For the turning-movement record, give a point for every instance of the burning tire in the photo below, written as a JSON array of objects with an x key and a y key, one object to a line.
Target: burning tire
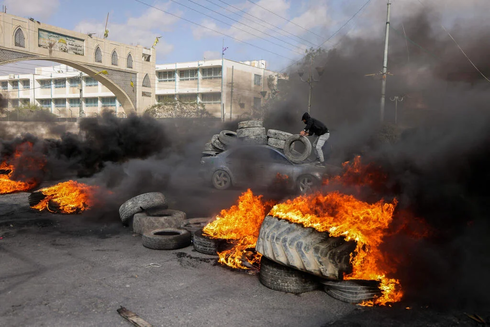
[
  {"x": 352, "y": 291},
  {"x": 280, "y": 135},
  {"x": 206, "y": 245},
  {"x": 279, "y": 144},
  {"x": 143, "y": 222},
  {"x": 166, "y": 239},
  {"x": 194, "y": 224},
  {"x": 35, "y": 198},
  {"x": 227, "y": 137},
  {"x": 293, "y": 155},
  {"x": 304, "y": 249},
  {"x": 281, "y": 278},
  {"x": 217, "y": 143},
  {"x": 221, "y": 180},
  {"x": 249, "y": 123},
  {"x": 143, "y": 202}
]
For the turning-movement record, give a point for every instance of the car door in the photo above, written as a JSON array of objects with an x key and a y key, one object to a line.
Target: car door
[
  {"x": 244, "y": 166},
  {"x": 276, "y": 170}
]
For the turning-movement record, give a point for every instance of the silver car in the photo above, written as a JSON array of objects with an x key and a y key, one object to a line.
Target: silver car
[{"x": 259, "y": 166}]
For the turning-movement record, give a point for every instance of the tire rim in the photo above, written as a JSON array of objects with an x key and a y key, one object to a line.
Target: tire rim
[
  {"x": 222, "y": 179},
  {"x": 306, "y": 184}
]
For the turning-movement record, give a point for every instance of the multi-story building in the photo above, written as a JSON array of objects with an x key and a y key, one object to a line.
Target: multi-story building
[{"x": 226, "y": 88}]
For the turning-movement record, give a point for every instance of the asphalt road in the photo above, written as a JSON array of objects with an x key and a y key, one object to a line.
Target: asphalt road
[{"x": 73, "y": 270}]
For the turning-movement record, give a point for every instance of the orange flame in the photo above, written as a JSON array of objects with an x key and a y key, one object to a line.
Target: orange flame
[
  {"x": 7, "y": 185},
  {"x": 67, "y": 197},
  {"x": 241, "y": 225},
  {"x": 344, "y": 216}
]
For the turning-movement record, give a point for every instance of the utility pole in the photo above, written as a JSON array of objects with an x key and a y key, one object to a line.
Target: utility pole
[
  {"x": 385, "y": 64},
  {"x": 231, "y": 95},
  {"x": 81, "y": 113}
]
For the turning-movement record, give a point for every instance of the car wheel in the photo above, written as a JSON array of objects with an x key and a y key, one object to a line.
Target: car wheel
[
  {"x": 306, "y": 184},
  {"x": 221, "y": 180}
]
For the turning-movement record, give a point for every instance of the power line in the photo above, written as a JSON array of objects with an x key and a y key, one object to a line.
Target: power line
[
  {"x": 238, "y": 23},
  {"x": 241, "y": 29},
  {"x": 284, "y": 18},
  {"x": 213, "y": 30},
  {"x": 261, "y": 20}
]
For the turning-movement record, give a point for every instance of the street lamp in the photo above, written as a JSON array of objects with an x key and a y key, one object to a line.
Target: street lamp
[{"x": 397, "y": 99}]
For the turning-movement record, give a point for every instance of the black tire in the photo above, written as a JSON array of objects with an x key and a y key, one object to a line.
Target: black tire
[
  {"x": 166, "y": 239},
  {"x": 227, "y": 137},
  {"x": 143, "y": 222},
  {"x": 295, "y": 156},
  {"x": 217, "y": 143},
  {"x": 304, "y": 249},
  {"x": 352, "y": 291},
  {"x": 194, "y": 224},
  {"x": 250, "y": 123},
  {"x": 208, "y": 147},
  {"x": 276, "y": 143},
  {"x": 281, "y": 278},
  {"x": 221, "y": 180},
  {"x": 140, "y": 203},
  {"x": 261, "y": 140},
  {"x": 307, "y": 184},
  {"x": 35, "y": 198},
  {"x": 206, "y": 245},
  {"x": 254, "y": 132},
  {"x": 280, "y": 135}
]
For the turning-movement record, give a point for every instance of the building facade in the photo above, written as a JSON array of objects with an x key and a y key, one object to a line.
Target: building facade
[{"x": 227, "y": 89}]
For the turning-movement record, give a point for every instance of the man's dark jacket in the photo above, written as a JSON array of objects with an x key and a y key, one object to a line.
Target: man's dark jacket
[{"x": 314, "y": 126}]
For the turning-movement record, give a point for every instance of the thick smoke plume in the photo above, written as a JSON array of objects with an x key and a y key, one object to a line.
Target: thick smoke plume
[{"x": 437, "y": 155}]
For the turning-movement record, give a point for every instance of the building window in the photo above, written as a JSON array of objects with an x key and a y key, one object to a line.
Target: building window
[
  {"x": 114, "y": 58},
  {"x": 91, "y": 102},
  {"x": 45, "y": 84},
  {"x": 15, "y": 85},
  {"x": 211, "y": 98},
  {"x": 146, "y": 81},
  {"x": 188, "y": 75},
  {"x": 166, "y": 76},
  {"x": 20, "y": 40},
  {"x": 60, "y": 103},
  {"x": 257, "y": 103},
  {"x": 74, "y": 102},
  {"x": 188, "y": 97},
  {"x": 26, "y": 84},
  {"x": 46, "y": 103},
  {"x": 5, "y": 85},
  {"x": 108, "y": 102},
  {"x": 74, "y": 82},
  {"x": 129, "y": 61},
  {"x": 89, "y": 81},
  {"x": 257, "y": 79},
  {"x": 98, "y": 55},
  {"x": 165, "y": 98},
  {"x": 214, "y": 72},
  {"x": 59, "y": 83}
]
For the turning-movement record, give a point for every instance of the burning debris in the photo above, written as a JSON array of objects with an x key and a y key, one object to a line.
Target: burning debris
[
  {"x": 11, "y": 180},
  {"x": 68, "y": 197}
]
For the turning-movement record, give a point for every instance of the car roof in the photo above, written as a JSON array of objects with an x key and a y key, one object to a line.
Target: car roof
[{"x": 251, "y": 146}]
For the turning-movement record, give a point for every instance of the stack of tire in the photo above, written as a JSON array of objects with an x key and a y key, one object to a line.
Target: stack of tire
[
  {"x": 296, "y": 259},
  {"x": 284, "y": 141},
  {"x": 219, "y": 143},
  {"x": 251, "y": 132},
  {"x": 161, "y": 228}
]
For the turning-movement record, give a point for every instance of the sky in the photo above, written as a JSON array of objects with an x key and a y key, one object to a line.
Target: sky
[{"x": 278, "y": 31}]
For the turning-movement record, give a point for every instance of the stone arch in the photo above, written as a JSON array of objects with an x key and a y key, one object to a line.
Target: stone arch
[
  {"x": 98, "y": 55},
  {"x": 19, "y": 38},
  {"x": 129, "y": 61},
  {"x": 128, "y": 104},
  {"x": 114, "y": 58},
  {"x": 146, "y": 81}
]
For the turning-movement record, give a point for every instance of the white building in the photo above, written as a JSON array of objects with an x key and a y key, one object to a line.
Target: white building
[{"x": 227, "y": 88}]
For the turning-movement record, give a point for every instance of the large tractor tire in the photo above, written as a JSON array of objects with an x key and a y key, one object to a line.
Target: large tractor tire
[{"x": 304, "y": 249}]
